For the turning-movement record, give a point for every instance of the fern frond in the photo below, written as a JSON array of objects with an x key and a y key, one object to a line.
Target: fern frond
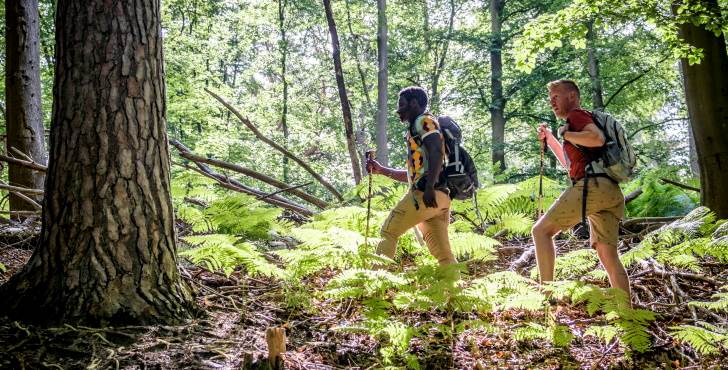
[
  {"x": 605, "y": 333},
  {"x": 721, "y": 305},
  {"x": 515, "y": 223},
  {"x": 706, "y": 339},
  {"x": 365, "y": 283},
  {"x": 473, "y": 246},
  {"x": 195, "y": 217},
  {"x": 531, "y": 331},
  {"x": 220, "y": 252}
]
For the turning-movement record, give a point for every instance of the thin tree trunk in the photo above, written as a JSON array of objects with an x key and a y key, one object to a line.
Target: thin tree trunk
[
  {"x": 692, "y": 153},
  {"x": 107, "y": 254},
  {"x": 382, "y": 83},
  {"x": 24, "y": 117},
  {"x": 706, "y": 92},
  {"x": 498, "y": 103},
  {"x": 345, "y": 106},
  {"x": 593, "y": 62},
  {"x": 282, "y": 4},
  {"x": 440, "y": 59}
]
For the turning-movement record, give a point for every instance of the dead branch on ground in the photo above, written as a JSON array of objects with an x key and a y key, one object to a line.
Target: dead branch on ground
[{"x": 275, "y": 145}]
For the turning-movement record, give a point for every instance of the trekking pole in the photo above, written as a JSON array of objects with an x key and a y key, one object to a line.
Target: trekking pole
[
  {"x": 369, "y": 155},
  {"x": 540, "y": 181}
]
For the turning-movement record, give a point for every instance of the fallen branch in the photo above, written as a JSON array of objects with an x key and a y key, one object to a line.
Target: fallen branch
[
  {"x": 20, "y": 162},
  {"x": 275, "y": 145},
  {"x": 524, "y": 259},
  {"x": 19, "y": 189},
  {"x": 186, "y": 153},
  {"x": 679, "y": 185},
  {"x": 30, "y": 201},
  {"x": 648, "y": 220},
  {"x": 282, "y": 190},
  {"x": 197, "y": 202},
  {"x": 632, "y": 196},
  {"x": 235, "y": 185}
]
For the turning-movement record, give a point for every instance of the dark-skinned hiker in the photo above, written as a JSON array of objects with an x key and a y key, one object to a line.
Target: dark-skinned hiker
[
  {"x": 583, "y": 141},
  {"x": 427, "y": 203}
]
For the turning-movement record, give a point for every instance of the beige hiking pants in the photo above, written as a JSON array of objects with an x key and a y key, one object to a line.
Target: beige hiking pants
[{"x": 432, "y": 222}]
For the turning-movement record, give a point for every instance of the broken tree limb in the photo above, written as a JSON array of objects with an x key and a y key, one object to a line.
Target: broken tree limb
[
  {"x": 524, "y": 259},
  {"x": 197, "y": 202},
  {"x": 21, "y": 162},
  {"x": 275, "y": 145},
  {"x": 235, "y": 185},
  {"x": 282, "y": 190},
  {"x": 21, "y": 154},
  {"x": 679, "y": 185},
  {"x": 26, "y": 198},
  {"x": 186, "y": 153},
  {"x": 20, "y": 189},
  {"x": 648, "y": 220},
  {"x": 633, "y": 195}
]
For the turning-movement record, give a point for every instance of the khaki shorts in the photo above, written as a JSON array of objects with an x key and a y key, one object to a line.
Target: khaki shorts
[{"x": 604, "y": 209}]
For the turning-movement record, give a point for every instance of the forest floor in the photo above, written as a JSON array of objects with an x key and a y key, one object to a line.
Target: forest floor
[{"x": 237, "y": 310}]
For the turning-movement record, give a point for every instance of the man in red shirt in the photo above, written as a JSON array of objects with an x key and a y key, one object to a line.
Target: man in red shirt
[{"x": 605, "y": 201}]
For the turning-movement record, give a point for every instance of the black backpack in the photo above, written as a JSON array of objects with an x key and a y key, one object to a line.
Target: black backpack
[{"x": 459, "y": 172}]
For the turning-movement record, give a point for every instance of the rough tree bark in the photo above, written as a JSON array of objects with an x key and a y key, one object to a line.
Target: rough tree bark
[
  {"x": 107, "y": 253},
  {"x": 345, "y": 105},
  {"x": 706, "y": 92},
  {"x": 382, "y": 82},
  {"x": 498, "y": 103},
  {"x": 22, "y": 95}
]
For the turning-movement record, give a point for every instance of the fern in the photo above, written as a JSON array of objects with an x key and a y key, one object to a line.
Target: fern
[
  {"x": 191, "y": 184},
  {"x": 501, "y": 291},
  {"x": 473, "y": 246},
  {"x": 362, "y": 283},
  {"x": 515, "y": 223},
  {"x": 679, "y": 243},
  {"x": 573, "y": 265},
  {"x": 721, "y": 305},
  {"x": 659, "y": 199},
  {"x": 707, "y": 339},
  {"x": 219, "y": 252},
  {"x": 605, "y": 333},
  {"x": 614, "y": 303},
  {"x": 385, "y": 193}
]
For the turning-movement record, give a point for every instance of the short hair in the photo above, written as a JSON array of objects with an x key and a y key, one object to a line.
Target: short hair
[
  {"x": 415, "y": 92},
  {"x": 568, "y": 84}
]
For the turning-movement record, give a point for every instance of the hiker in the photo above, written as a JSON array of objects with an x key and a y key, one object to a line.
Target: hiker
[
  {"x": 427, "y": 203},
  {"x": 604, "y": 201}
]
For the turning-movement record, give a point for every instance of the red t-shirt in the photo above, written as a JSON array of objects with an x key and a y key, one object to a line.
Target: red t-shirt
[{"x": 577, "y": 119}]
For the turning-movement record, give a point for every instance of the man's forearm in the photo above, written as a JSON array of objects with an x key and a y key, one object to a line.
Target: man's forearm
[
  {"x": 584, "y": 138},
  {"x": 557, "y": 149},
  {"x": 395, "y": 174},
  {"x": 434, "y": 156}
]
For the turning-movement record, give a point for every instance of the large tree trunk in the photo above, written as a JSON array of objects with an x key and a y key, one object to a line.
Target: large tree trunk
[
  {"x": 498, "y": 103},
  {"x": 382, "y": 82},
  {"x": 282, "y": 4},
  {"x": 107, "y": 254},
  {"x": 706, "y": 92},
  {"x": 593, "y": 66},
  {"x": 22, "y": 95},
  {"x": 345, "y": 106}
]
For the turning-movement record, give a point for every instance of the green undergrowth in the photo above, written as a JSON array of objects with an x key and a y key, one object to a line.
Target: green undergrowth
[{"x": 396, "y": 297}]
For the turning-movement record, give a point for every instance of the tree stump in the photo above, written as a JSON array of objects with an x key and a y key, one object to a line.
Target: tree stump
[{"x": 276, "y": 338}]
